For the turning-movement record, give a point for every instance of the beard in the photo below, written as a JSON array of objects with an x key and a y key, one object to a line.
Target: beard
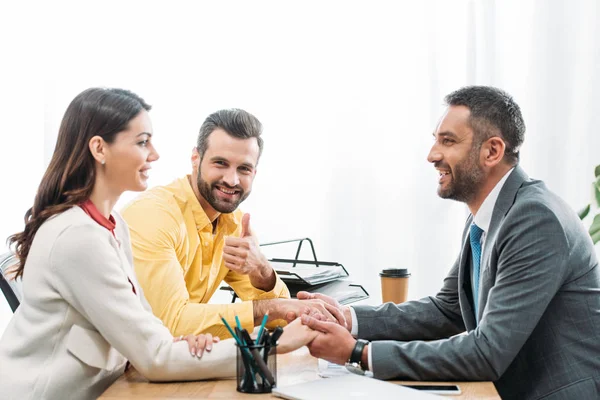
[
  {"x": 466, "y": 179},
  {"x": 225, "y": 206}
]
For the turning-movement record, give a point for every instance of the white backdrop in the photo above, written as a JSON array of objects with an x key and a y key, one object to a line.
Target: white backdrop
[{"x": 348, "y": 92}]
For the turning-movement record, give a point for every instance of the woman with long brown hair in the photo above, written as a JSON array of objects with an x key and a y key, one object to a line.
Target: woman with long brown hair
[{"x": 83, "y": 314}]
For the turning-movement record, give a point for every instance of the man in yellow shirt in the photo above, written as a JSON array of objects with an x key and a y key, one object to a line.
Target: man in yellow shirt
[{"x": 188, "y": 237}]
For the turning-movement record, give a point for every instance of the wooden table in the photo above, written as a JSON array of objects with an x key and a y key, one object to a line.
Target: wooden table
[{"x": 292, "y": 368}]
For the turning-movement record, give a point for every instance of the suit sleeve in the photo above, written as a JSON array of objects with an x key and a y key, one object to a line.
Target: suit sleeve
[
  {"x": 154, "y": 242},
  {"x": 426, "y": 319},
  {"x": 532, "y": 252},
  {"x": 87, "y": 273}
]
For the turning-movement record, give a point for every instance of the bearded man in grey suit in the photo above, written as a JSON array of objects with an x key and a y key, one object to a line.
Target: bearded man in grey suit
[{"x": 524, "y": 291}]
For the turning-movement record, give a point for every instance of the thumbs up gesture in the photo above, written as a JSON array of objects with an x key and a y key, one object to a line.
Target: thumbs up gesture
[
  {"x": 246, "y": 226},
  {"x": 243, "y": 256}
]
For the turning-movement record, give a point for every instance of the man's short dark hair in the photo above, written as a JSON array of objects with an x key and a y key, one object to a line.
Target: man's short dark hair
[
  {"x": 493, "y": 113},
  {"x": 236, "y": 122}
]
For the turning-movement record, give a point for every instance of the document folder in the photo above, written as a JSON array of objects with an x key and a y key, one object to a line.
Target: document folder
[
  {"x": 308, "y": 274},
  {"x": 345, "y": 292}
]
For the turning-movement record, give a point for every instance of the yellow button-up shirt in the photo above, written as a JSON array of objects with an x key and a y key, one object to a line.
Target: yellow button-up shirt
[{"x": 178, "y": 261}]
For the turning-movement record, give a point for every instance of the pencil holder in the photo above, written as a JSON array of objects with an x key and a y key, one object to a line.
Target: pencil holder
[{"x": 256, "y": 368}]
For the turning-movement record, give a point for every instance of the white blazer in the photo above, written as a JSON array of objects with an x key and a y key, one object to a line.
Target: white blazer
[{"x": 79, "y": 320}]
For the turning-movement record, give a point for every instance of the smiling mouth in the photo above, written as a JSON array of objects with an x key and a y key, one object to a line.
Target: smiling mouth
[
  {"x": 443, "y": 174},
  {"x": 145, "y": 173},
  {"x": 228, "y": 192}
]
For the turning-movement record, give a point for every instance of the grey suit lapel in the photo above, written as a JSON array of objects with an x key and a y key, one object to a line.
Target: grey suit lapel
[{"x": 506, "y": 199}]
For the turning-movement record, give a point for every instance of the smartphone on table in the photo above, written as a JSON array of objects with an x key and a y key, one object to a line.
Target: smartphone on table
[{"x": 437, "y": 389}]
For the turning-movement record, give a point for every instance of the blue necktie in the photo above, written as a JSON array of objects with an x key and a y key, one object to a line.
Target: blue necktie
[{"x": 476, "y": 252}]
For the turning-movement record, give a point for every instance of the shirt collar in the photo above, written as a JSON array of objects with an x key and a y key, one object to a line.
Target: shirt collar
[
  {"x": 483, "y": 218},
  {"x": 90, "y": 209},
  {"x": 229, "y": 220}
]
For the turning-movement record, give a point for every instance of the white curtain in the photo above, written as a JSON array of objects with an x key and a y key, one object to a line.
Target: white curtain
[{"x": 349, "y": 94}]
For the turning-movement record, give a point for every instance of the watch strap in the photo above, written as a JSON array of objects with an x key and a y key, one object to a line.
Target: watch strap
[{"x": 356, "y": 355}]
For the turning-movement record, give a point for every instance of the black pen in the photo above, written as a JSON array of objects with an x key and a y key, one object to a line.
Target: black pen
[
  {"x": 266, "y": 340},
  {"x": 276, "y": 334}
]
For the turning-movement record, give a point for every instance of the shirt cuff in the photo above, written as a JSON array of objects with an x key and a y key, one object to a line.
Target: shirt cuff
[
  {"x": 354, "y": 330},
  {"x": 279, "y": 291},
  {"x": 370, "y": 356}
]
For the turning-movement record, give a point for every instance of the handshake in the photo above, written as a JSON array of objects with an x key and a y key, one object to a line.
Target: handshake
[
  {"x": 321, "y": 324},
  {"x": 315, "y": 320}
]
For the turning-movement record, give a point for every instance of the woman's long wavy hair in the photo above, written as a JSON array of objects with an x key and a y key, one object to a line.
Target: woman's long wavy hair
[{"x": 71, "y": 174}]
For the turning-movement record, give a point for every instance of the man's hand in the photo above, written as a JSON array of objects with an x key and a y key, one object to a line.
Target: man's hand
[
  {"x": 243, "y": 256},
  {"x": 333, "y": 343},
  {"x": 198, "y": 344},
  {"x": 331, "y": 301},
  {"x": 290, "y": 309},
  {"x": 316, "y": 308}
]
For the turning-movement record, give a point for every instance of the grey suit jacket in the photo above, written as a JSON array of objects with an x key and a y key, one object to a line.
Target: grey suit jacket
[{"x": 538, "y": 329}]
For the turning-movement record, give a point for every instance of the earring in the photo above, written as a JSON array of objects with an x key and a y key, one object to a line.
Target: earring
[{"x": 103, "y": 162}]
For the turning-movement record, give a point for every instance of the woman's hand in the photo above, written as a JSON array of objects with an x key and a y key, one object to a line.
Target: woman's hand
[
  {"x": 295, "y": 335},
  {"x": 198, "y": 343}
]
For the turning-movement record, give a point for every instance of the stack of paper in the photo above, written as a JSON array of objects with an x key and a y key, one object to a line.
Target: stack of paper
[
  {"x": 311, "y": 275},
  {"x": 343, "y": 291}
]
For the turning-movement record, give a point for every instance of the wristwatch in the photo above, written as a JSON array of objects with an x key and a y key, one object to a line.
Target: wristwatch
[{"x": 354, "y": 364}]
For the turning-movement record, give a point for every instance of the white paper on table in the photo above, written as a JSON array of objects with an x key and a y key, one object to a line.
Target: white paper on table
[{"x": 328, "y": 369}]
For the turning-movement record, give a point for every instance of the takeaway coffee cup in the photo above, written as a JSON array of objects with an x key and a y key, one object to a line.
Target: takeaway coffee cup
[{"x": 394, "y": 285}]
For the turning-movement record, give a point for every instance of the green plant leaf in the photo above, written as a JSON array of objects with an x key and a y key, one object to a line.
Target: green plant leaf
[
  {"x": 584, "y": 212},
  {"x": 597, "y": 194},
  {"x": 597, "y": 171},
  {"x": 595, "y": 229},
  {"x": 596, "y": 237}
]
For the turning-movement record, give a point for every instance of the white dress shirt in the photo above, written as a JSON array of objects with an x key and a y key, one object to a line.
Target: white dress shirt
[{"x": 483, "y": 218}]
